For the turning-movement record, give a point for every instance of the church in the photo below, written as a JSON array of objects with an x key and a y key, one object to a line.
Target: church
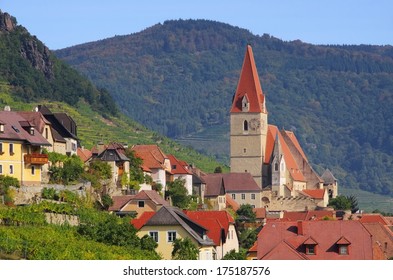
[{"x": 272, "y": 156}]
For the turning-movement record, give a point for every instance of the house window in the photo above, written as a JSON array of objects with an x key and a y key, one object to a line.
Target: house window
[
  {"x": 243, "y": 196},
  {"x": 343, "y": 249},
  {"x": 310, "y": 249},
  {"x": 1, "y": 169},
  {"x": 46, "y": 133},
  {"x": 32, "y": 170},
  {"x": 253, "y": 196},
  {"x": 171, "y": 236},
  {"x": 154, "y": 235},
  {"x": 1, "y": 148},
  {"x": 233, "y": 196},
  {"x": 244, "y": 150},
  {"x": 141, "y": 204},
  {"x": 11, "y": 169},
  {"x": 245, "y": 125},
  {"x": 11, "y": 149}
]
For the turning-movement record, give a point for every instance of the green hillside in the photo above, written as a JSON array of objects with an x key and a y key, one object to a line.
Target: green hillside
[
  {"x": 179, "y": 77},
  {"x": 31, "y": 75}
]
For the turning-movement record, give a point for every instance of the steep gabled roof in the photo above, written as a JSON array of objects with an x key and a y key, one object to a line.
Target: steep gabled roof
[
  {"x": 84, "y": 154},
  {"x": 250, "y": 86},
  {"x": 328, "y": 177},
  {"x": 168, "y": 215},
  {"x": 152, "y": 156},
  {"x": 142, "y": 220},
  {"x": 216, "y": 222},
  {"x": 273, "y": 134},
  {"x": 178, "y": 166}
]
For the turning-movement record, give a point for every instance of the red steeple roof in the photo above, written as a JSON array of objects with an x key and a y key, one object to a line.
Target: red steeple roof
[{"x": 250, "y": 86}]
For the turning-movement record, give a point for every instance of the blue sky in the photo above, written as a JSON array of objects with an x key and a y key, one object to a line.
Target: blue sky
[{"x": 66, "y": 23}]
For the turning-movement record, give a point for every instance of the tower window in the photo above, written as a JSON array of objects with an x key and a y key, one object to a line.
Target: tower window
[
  {"x": 245, "y": 126},
  {"x": 276, "y": 166}
]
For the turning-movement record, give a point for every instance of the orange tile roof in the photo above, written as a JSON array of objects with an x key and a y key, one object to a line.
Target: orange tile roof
[
  {"x": 317, "y": 194},
  {"x": 231, "y": 203},
  {"x": 249, "y": 86},
  {"x": 152, "y": 156},
  {"x": 178, "y": 166},
  {"x": 290, "y": 162},
  {"x": 84, "y": 154},
  {"x": 260, "y": 212},
  {"x": 295, "y": 142},
  {"x": 307, "y": 215},
  {"x": 373, "y": 218}
]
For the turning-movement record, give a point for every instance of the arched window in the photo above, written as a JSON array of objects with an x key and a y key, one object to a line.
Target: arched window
[
  {"x": 276, "y": 166},
  {"x": 245, "y": 126}
]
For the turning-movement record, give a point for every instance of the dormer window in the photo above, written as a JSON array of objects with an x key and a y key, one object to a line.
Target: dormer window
[
  {"x": 31, "y": 130},
  {"x": 1, "y": 128},
  {"x": 245, "y": 104},
  {"x": 343, "y": 246},
  {"x": 311, "y": 246}
]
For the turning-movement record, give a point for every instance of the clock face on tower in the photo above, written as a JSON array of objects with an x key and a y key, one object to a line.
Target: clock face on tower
[{"x": 255, "y": 124}]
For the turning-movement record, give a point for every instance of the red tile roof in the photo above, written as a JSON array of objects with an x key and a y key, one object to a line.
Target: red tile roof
[
  {"x": 178, "y": 166},
  {"x": 249, "y": 86},
  {"x": 142, "y": 220},
  {"x": 260, "y": 212},
  {"x": 326, "y": 234},
  {"x": 216, "y": 222},
  {"x": 373, "y": 218},
  {"x": 307, "y": 215}
]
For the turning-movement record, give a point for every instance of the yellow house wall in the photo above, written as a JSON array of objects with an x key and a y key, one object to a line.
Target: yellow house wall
[
  {"x": 164, "y": 247},
  {"x": 21, "y": 171}
]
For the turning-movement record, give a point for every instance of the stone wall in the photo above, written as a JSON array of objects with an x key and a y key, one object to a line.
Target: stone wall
[{"x": 28, "y": 195}]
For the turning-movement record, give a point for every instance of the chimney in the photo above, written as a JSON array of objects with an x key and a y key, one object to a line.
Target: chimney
[{"x": 300, "y": 227}]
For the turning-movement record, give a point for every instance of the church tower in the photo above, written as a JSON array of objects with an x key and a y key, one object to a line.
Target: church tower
[{"x": 248, "y": 122}]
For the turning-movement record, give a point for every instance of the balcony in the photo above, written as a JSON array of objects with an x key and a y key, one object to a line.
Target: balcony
[{"x": 36, "y": 159}]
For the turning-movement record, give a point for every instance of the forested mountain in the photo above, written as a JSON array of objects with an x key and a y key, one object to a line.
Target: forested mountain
[
  {"x": 178, "y": 78},
  {"x": 30, "y": 74}
]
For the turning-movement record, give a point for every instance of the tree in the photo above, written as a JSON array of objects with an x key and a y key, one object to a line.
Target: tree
[
  {"x": 247, "y": 238},
  {"x": 178, "y": 193},
  {"x": 246, "y": 211},
  {"x": 342, "y": 202},
  {"x": 233, "y": 255},
  {"x": 218, "y": 169},
  {"x": 184, "y": 249},
  {"x": 148, "y": 243}
]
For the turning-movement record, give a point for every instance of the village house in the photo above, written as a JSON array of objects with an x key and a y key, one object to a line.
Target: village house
[
  {"x": 63, "y": 130},
  {"x": 239, "y": 186},
  {"x": 156, "y": 162},
  {"x": 221, "y": 229},
  {"x": 21, "y": 148},
  {"x": 181, "y": 170},
  {"x": 144, "y": 201},
  {"x": 170, "y": 223}
]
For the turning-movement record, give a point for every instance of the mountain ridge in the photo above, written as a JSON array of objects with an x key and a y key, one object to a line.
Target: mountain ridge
[{"x": 178, "y": 78}]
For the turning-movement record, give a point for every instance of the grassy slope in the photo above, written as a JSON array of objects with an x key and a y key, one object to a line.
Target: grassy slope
[{"x": 93, "y": 128}]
